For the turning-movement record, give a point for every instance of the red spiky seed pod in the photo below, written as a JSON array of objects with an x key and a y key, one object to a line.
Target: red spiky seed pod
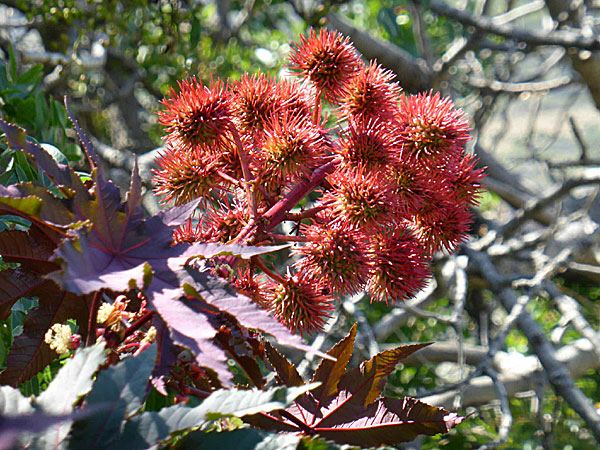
[
  {"x": 327, "y": 59},
  {"x": 414, "y": 185},
  {"x": 400, "y": 266},
  {"x": 295, "y": 98},
  {"x": 184, "y": 176},
  {"x": 299, "y": 303},
  {"x": 464, "y": 179},
  {"x": 254, "y": 103},
  {"x": 198, "y": 116},
  {"x": 370, "y": 95},
  {"x": 336, "y": 256},
  {"x": 433, "y": 131},
  {"x": 370, "y": 144},
  {"x": 361, "y": 198},
  {"x": 443, "y": 228},
  {"x": 222, "y": 224},
  {"x": 292, "y": 148},
  {"x": 247, "y": 284},
  {"x": 187, "y": 233}
]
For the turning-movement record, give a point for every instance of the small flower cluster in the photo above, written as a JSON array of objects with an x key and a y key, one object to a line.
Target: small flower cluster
[
  {"x": 121, "y": 329},
  {"x": 386, "y": 187},
  {"x": 61, "y": 339}
]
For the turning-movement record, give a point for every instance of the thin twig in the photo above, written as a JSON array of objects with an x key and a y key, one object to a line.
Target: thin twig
[
  {"x": 506, "y": 419},
  {"x": 569, "y": 308},
  {"x": 538, "y": 204}
]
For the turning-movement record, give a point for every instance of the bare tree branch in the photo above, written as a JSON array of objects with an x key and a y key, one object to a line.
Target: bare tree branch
[
  {"x": 539, "y": 204},
  {"x": 518, "y": 373},
  {"x": 532, "y": 37}
]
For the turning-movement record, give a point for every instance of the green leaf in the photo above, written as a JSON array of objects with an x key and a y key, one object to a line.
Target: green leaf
[
  {"x": 33, "y": 76},
  {"x": 56, "y": 154},
  {"x": 387, "y": 19},
  {"x": 195, "y": 32},
  {"x": 151, "y": 427},
  {"x": 21, "y": 162},
  {"x": 3, "y": 77},
  {"x": 12, "y": 64},
  {"x": 120, "y": 390},
  {"x": 242, "y": 439},
  {"x": 72, "y": 382}
]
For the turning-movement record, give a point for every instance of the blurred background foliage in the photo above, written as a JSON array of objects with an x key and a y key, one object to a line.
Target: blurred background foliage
[{"x": 116, "y": 60}]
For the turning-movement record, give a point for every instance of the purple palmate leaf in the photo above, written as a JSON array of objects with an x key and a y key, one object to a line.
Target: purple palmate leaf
[
  {"x": 99, "y": 243},
  {"x": 166, "y": 356},
  {"x": 190, "y": 329}
]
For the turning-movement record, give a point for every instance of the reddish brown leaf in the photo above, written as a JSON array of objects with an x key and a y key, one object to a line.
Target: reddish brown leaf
[
  {"x": 31, "y": 249},
  {"x": 60, "y": 174},
  {"x": 166, "y": 356},
  {"x": 352, "y": 413},
  {"x": 367, "y": 381},
  {"x": 330, "y": 372},
  {"x": 15, "y": 284},
  {"x": 387, "y": 421},
  {"x": 287, "y": 373},
  {"x": 29, "y": 353}
]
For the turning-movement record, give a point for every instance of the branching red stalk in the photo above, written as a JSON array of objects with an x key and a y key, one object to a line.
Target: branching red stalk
[
  {"x": 278, "y": 212},
  {"x": 305, "y": 428}
]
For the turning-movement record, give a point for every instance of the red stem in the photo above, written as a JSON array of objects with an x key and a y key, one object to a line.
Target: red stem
[
  {"x": 277, "y": 213},
  {"x": 297, "y": 422},
  {"x": 270, "y": 199},
  {"x": 296, "y": 217},
  {"x": 91, "y": 336},
  {"x": 273, "y": 275},
  {"x": 245, "y": 171},
  {"x": 285, "y": 238},
  {"x": 228, "y": 178},
  {"x": 317, "y": 108},
  {"x": 137, "y": 324},
  {"x": 196, "y": 392}
]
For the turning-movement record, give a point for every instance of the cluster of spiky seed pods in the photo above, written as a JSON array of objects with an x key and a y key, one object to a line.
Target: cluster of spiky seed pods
[{"x": 382, "y": 178}]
